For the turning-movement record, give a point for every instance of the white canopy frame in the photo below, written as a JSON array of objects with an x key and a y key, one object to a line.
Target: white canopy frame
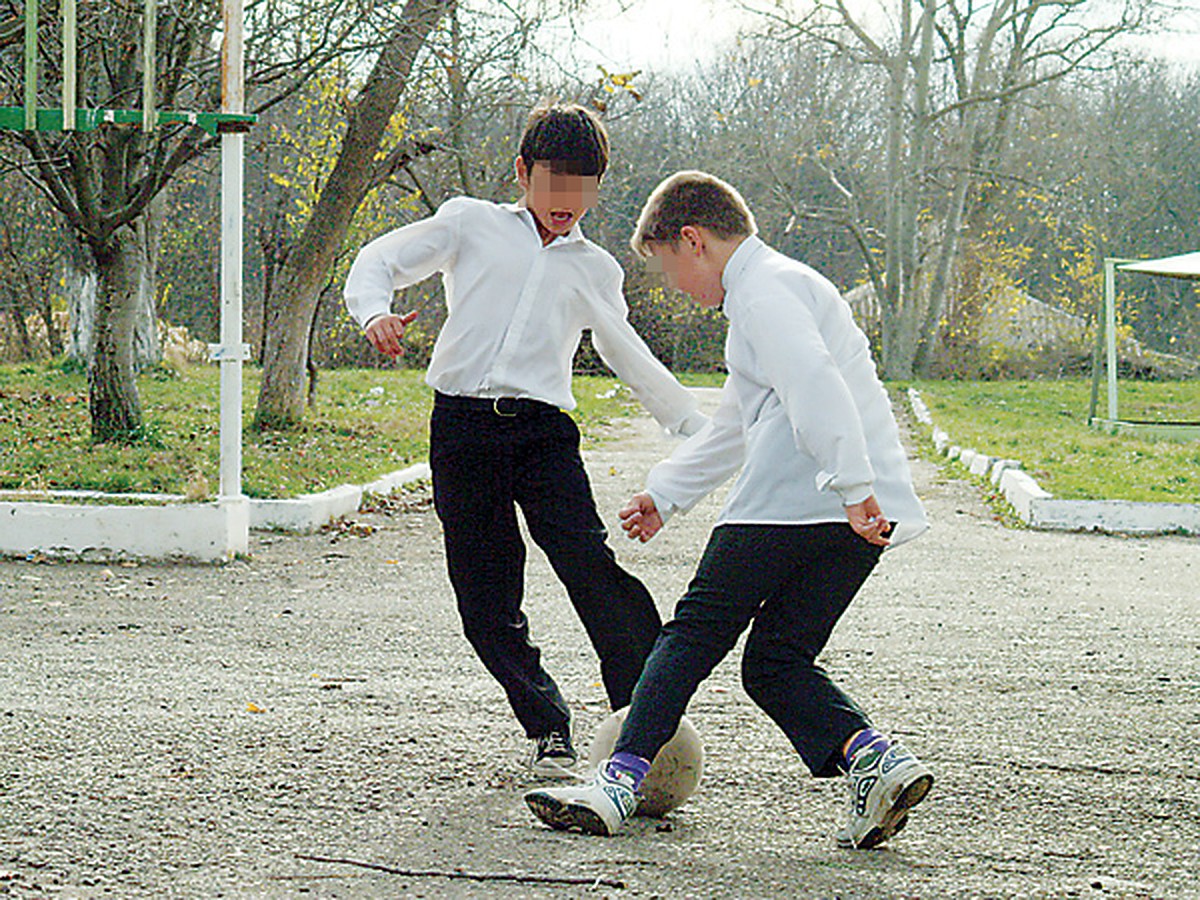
[{"x": 1185, "y": 266}]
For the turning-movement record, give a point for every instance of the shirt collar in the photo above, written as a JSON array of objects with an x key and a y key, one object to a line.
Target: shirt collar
[
  {"x": 575, "y": 234},
  {"x": 736, "y": 265}
]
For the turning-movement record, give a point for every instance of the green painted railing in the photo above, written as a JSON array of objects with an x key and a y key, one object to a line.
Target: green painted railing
[{"x": 15, "y": 118}]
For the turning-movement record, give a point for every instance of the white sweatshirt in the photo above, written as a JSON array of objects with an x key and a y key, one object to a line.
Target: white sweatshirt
[{"x": 802, "y": 413}]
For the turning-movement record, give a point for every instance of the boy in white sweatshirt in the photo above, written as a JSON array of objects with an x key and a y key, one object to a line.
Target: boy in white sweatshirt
[{"x": 824, "y": 488}]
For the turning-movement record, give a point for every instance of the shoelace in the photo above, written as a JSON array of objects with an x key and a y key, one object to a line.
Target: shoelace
[{"x": 554, "y": 744}]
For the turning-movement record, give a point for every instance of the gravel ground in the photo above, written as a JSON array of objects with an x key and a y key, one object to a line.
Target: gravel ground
[{"x": 191, "y": 731}]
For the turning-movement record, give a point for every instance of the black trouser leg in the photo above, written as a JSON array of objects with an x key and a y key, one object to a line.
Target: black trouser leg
[
  {"x": 779, "y": 667},
  {"x": 472, "y": 458},
  {"x": 798, "y": 580},
  {"x": 615, "y": 608}
]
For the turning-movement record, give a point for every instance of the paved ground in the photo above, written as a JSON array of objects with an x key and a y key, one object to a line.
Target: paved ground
[{"x": 179, "y": 731}]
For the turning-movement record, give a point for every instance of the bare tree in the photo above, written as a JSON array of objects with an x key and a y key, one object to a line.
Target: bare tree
[
  {"x": 952, "y": 76},
  {"x": 103, "y": 181},
  {"x": 293, "y": 303},
  {"x": 465, "y": 100}
]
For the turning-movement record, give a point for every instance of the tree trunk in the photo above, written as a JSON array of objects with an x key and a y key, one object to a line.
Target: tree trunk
[
  {"x": 899, "y": 257},
  {"x": 891, "y": 301},
  {"x": 22, "y": 329},
  {"x": 147, "y": 348},
  {"x": 112, "y": 389},
  {"x": 939, "y": 287},
  {"x": 83, "y": 287},
  {"x": 80, "y": 283},
  {"x": 54, "y": 338},
  {"x": 289, "y": 313}
]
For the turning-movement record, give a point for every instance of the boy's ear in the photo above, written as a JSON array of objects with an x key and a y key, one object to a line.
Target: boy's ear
[
  {"x": 693, "y": 238},
  {"x": 522, "y": 172}
]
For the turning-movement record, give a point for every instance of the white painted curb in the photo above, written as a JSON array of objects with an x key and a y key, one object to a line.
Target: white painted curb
[
  {"x": 205, "y": 532},
  {"x": 208, "y": 532},
  {"x": 311, "y": 512},
  {"x": 1116, "y": 516},
  {"x": 1040, "y": 509},
  {"x": 304, "y": 514}
]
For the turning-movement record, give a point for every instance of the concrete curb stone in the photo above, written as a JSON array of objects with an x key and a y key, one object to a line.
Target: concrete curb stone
[{"x": 1040, "y": 509}]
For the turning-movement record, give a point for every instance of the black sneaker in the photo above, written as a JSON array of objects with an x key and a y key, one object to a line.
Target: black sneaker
[{"x": 553, "y": 756}]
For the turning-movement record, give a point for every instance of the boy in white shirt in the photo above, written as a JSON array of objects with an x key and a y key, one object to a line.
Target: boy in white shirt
[
  {"x": 824, "y": 487},
  {"x": 522, "y": 283}
]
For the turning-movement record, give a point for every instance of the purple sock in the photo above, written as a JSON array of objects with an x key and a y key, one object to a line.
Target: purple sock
[
  {"x": 623, "y": 763},
  {"x": 865, "y": 738}
]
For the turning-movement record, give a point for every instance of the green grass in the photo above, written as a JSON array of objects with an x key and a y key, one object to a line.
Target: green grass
[
  {"x": 1044, "y": 425},
  {"x": 369, "y": 422},
  {"x": 365, "y": 423},
  {"x": 702, "y": 379}
]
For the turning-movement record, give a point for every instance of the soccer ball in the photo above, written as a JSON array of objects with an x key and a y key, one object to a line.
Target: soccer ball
[{"x": 674, "y": 773}]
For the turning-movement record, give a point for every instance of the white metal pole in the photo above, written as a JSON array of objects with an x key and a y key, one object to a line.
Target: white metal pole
[
  {"x": 70, "y": 54},
  {"x": 232, "y": 101},
  {"x": 1110, "y": 334},
  {"x": 149, "y": 63},
  {"x": 31, "y": 67}
]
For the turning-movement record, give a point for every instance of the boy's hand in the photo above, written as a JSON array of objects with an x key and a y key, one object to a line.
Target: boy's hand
[
  {"x": 868, "y": 521},
  {"x": 640, "y": 518},
  {"x": 385, "y": 333}
]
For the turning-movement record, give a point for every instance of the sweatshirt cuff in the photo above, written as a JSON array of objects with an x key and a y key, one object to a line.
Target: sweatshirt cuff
[
  {"x": 855, "y": 493},
  {"x": 692, "y": 422}
]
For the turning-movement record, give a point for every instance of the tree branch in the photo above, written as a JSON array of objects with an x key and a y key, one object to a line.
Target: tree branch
[{"x": 466, "y": 876}]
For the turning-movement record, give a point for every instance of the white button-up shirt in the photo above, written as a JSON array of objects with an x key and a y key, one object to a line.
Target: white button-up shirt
[
  {"x": 516, "y": 309},
  {"x": 802, "y": 413}
]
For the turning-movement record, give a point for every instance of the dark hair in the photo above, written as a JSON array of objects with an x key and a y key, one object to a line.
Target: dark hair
[
  {"x": 568, "y": 138},
  {"x": 691, "y": 198}
]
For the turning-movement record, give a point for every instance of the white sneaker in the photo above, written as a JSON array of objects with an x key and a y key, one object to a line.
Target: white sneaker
[
  {"x": 553, "y": 756},
  {"x": 600, "y": 806},
  {"x": 884, "y": 786}
]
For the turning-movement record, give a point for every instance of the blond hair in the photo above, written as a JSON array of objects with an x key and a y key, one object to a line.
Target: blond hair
[{"x": 691, "y": 198}]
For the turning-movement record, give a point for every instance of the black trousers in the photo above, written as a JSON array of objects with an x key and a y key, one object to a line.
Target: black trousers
[
  {"x": 488, "y": 458},
  {"x": 793, "y": 582}
]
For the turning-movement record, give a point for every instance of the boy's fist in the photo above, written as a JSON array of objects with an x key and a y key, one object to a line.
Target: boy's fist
[
  {"x": 385, "y": 332},
  {"x": 641, "y": 518},
  {"x": 869, "y": 522}
]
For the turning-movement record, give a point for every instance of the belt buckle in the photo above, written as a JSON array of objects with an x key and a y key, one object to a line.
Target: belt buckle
[{"x": 496, "y": 408}]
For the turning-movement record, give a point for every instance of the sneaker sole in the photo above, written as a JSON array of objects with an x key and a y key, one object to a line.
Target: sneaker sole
[
  {"x": 566, "y": 816},
  {"x": 895, "y": 818}
]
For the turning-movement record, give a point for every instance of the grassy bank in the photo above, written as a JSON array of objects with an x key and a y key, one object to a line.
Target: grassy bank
[
  {"x": 365, "y": 423},
  {"x": 1044, "y": 424}
]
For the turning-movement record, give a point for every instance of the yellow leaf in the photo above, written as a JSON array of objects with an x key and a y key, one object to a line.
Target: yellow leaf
[{"x": 254, "y": 708}]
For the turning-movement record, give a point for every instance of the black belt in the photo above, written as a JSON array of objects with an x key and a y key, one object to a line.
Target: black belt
[{"x": 506, "y": 407}]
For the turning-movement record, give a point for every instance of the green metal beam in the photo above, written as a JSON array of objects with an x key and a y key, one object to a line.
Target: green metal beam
[{"x": 14, "y": 118}]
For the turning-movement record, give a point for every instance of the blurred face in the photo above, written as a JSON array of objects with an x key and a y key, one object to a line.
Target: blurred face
[
  {"x": 556, "y": 201},
  {"x": 686, "y": 267}
]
